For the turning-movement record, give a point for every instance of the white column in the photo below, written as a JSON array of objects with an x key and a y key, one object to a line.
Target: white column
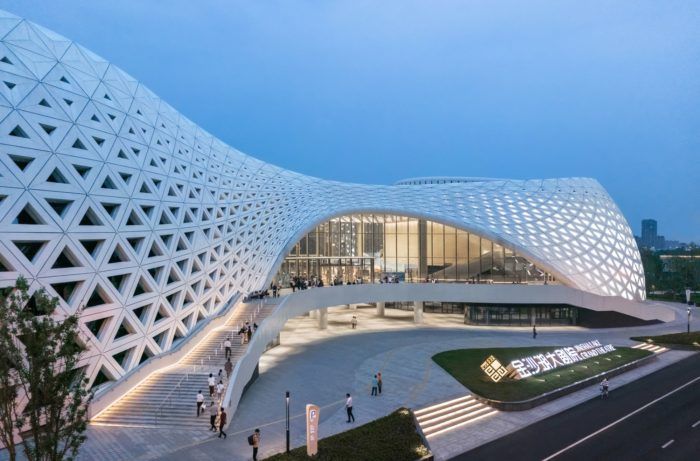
[
  {"x": 417, "y": 311},
  {"x": 323, "y": 318},
  {"x": 380, "y": 309}
]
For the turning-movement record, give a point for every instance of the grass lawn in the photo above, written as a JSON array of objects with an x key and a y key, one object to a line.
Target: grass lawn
[
  {"x": 391, "y": 438},
  {"x": 682, "y": 339},
  {"x": 464, "y": 366}
]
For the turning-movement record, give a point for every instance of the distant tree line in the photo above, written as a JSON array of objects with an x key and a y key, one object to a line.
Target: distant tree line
[{"x": 673, "y": 274}]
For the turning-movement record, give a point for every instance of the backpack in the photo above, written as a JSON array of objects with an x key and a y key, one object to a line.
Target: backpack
[{"x": 251, "y": 441}]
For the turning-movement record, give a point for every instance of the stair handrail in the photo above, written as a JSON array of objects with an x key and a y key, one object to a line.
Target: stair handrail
[{"x": 105, "y": 391}]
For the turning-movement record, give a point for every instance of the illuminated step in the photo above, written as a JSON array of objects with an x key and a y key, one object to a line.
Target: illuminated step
[
  {"x": 441, "y": 405},
  {"x": 445, "y": 410},
  {"x": 156, "y": 402},
  {"x": 650, "y": 347},
  {"x": 464, "y": 422},
  {"x": 433, "y": 430},
  {"x": 447, "y": 415}
]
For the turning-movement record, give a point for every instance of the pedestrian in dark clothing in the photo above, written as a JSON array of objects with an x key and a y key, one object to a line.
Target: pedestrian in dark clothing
[
  {"x": 213, "y": 413},
  {"x": 222, "y": 423},
  {"x": 348, "y": 408},
  {"x": 379, "y": 382},
  {"x": 534, "y": 332},
  {"x": 256, "y": 444},
  {"x": 229, "y": 368}
]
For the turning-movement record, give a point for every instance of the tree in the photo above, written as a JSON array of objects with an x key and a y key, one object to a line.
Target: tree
[
  {"x": 44, "y": 353},
  {"x": 10, "y": 414}
]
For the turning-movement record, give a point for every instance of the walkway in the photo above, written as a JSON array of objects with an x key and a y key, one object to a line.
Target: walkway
[{"x": 319, "y": 366}]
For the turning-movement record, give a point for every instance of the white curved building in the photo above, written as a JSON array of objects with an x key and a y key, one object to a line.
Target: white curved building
[{"x": 122, "y": 207}]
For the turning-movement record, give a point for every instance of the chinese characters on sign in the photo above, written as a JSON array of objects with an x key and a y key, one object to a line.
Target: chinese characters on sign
[
  {"x": 544, "y": 362},
  {"x": 494, "y": 369},
  {"x": 548, "y": 361}
]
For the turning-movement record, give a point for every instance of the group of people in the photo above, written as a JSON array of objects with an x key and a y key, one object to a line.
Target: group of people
[
  {"x": 377, "y": 384},
  {"x": 246, "y": 332},
  {"x": 376, "y": 390},
  {"x": 219, "y": 412},
  {"x": 303, "y": 283},
  {"x": 259, "y": 294},
  {"x": 214, "y": 412}
]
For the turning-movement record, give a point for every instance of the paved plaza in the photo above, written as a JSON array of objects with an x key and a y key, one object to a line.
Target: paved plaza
[{"x": 320, "y": 366}]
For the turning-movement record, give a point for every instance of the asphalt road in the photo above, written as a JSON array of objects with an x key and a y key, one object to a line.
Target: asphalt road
[{"x": 660, "y": 431}]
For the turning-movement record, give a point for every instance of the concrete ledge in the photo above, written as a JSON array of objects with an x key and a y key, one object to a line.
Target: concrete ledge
[
  {"x": 429, "y": 456},
  {"x": 555, "y": 394}
]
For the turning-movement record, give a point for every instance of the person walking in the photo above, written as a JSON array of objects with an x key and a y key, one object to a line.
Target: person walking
[
  {"x": 227, "y": 348},
  {"x": 604, "y": 388},
  {"x": 212, "y": 384},
  {"x": 229, "y": 368},
  {"x": 375, "y": 385},
  {"x": 353, "y": 322},
  {"x": 200, "y": 402},
  {"x": 348, "y": 408},
  {"x": 213, "y": 413},
  {"x": 249, "y": 333},
  {"x": 379, "y": 382},
  {"x": 534, "y": 332},
  {"x": 256, "y": 444},
  {"x": 222, "y": 422},
  {"x": 219, "y": 390}
]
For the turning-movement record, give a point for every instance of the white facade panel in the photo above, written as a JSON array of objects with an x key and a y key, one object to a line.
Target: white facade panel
[{"x": 122, "y": 207}]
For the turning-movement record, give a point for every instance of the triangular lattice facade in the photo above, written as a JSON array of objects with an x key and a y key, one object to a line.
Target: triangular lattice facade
[{"x": 120, "y": 206}]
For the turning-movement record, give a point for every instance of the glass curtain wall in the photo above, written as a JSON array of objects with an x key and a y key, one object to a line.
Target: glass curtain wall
[{"x": 368, "y": 248}]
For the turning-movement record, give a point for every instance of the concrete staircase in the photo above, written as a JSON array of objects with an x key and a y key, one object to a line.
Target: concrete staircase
[
  {"x": 446, "y": 416},
  {"x": 168, "y": 398}
]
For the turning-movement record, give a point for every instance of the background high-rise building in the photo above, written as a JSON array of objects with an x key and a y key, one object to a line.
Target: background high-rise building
[{"x": 649, "y": 233}]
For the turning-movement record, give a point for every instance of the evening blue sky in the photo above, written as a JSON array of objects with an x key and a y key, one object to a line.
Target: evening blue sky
[{"x": 374, "y": 92}]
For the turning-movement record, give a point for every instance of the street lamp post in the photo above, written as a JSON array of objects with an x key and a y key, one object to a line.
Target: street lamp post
[
  {"x": 287, "y": 400},
  {"x": 687, "y": 299}
]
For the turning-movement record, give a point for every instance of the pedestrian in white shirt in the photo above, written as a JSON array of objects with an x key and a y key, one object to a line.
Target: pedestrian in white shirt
[
  {"x": 227, "y": 348},
  {"x": 219, "y": 390},
  {"x": 212, "y": 384},
  {"x": 348, "y": 408},
  {"x": 200, "y": 401}
]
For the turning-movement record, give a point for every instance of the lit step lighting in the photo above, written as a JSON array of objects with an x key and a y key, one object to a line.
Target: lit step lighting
[
  {"x": 651, "y": 348},
  {"x": 446, "y": 416}
]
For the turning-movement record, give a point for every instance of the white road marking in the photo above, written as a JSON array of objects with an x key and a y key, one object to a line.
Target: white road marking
[
  {"x": 667, "y": 443},
  {"x": 567, "y": 448},
  {"x": 697, "y": 423}
]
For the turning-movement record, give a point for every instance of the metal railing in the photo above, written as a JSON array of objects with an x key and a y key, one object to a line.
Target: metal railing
[
  {"x": 176, "y": 392},
  {"x": 108, "y": 394}
]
